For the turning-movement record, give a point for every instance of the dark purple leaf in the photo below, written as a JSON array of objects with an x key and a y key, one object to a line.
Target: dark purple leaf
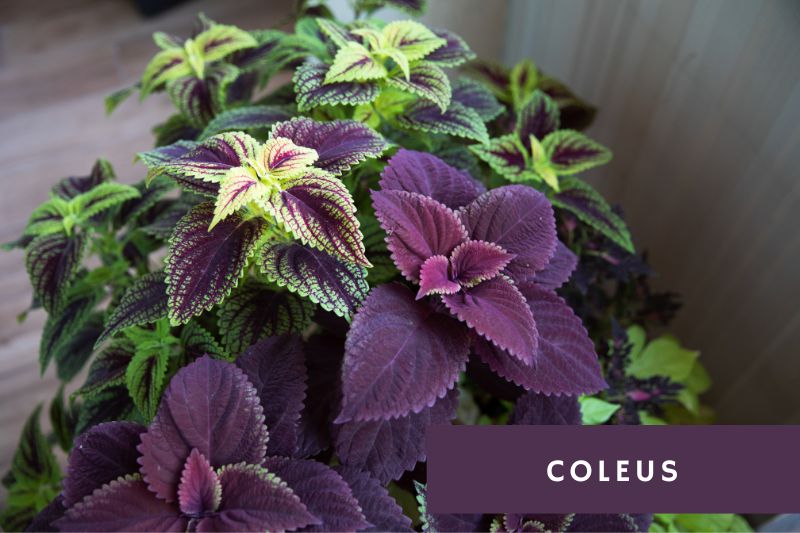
[
  {"x": 413, "y": 7},
  {"x": 400, "y": 356},
  {"x": 248, "y": 118},
  {"x": 336, "y": 286},
  {"x": 533, "y": 408},
  {"x": 145, "y": 301},
  {"x": 477, "y": 261},
  {"x": 99, "y": 456},
  {"x": 71, "y": 187},
  {"x": 387, "y": 448},
  {"x": 340, "y": 144},
  {"x": 538, "y": 117},
  {"x": 203, "y": 266},
  {"x": 434, "y": 277},
  {"x": 453, "y": 53},
  {"x": 313, "y": 92},
  {"x": 110, "y": 404},
  {"x": 200, "y": 491},
  {"x": 476, "y": 96},
  {"x": 108, "y": 368},
  {"x": 192, "y": 96},
  {"x": 558, "y": 270},
  {"x": 323, "y": 491},
  {"x": 71, "y": 354},
  {"x": 52, "y": 262},
  {"x": 430, "y": 176},
  {"x": 43, "y": 521},
  {"x": 497, "y": 310},
  {"x": 427, "y": 81},
  {"x": 497, "y": 76},
  {"x": 566, "y": 362},
  {"x": 254, "y": 311},
  {"x": 458, "y": 120},
  {"x": 256, "y": 500},
  {"x": 575, "y": 113},
  {"x": 518, "y": 218},
  {"x": 209, "y": 405},
  {"x": 276, "y": 368},
  {"x": 417, "y": 227},
  {"x": 379, "y": 508},
  {"x": 67, "y": 324},
  {"x": 123, "y": 505}
]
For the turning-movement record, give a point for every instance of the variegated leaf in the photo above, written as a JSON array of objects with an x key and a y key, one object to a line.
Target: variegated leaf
[
  {"x": 338, "y": 34},
  {"x": 52, "y": 262},
  {"x": 211, "y": 160},
  {"x": 426, "y": 81},
  {"x": 336, "y": 286},
  {"x": 458, "y": 120},
  {"x": 353, "y": 62},
  {"x": 239, "y": 187},
  {"x": 413, "y": 39},
  {"x": 312, "y": 91},
  {"x": 454, "y": 52},
  {"x": 506, "y": 155},
  {"x": 221, "y": 40},
  {"x": 476, "y": 96},
  {"x": 283, "y": 159},
  {"x": 571, "y": 152},
  {"x": 538, "y": 117},
  {"x": 63, "y": 323},
  {"x": 203, "y": 266},
  {"x": 248, "y": 118},
  {"x": 145, "y": 301},
  {"x": 167, "y": 65},
  {"x": 100, "y": 198}
]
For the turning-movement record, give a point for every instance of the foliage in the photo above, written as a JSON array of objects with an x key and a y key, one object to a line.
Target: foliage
[{"x": 379, "y": 245}]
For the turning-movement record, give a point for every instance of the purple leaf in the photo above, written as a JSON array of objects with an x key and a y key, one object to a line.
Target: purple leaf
[
  {"x": 538, "y": 117},
  {"x": 518, "y": 218},
  {"x": 566, "y": 362},
  {"x": 276, "y": 368},
  {"x": 193, "y": 98},
  {"x": 340, "y": 144},
  {"x": 426, "y": 81},
  {"x": 210, "y": 160},
  {"x": 313, "y": 92},
  {"x": 52, "y": 262},
  {"x": 318, "y": 209},
  {"x": 477, "y": 261},
  {"x": 400, "y": 356},
  {"x": 144, "y": 301},
  {"x": 434, "y": 277},
  {"x": 123, "y": 505},
  {"x": 72, "y": 186},
  {"x": 417, "y": 228},
  {"x": 533, "y": 408},
  {"x": 203, "y": 266},
  {"x": 336, "y": 286},
  {"x": 200, "y": 491},
  {"x": 43, "y": 521},
  {"x": 99, "y": 456},
  {"x": 164, "y": 154},
  {"x": 254, "y": 499},
  {"x": 387, "y": 448},
  {"x": 558, "y": 270},
  {"x": 430, "y": 176},
  {"x": 209, "y": 405},
  {"x": 476, "y": 96},
  {"x": 254, "y": 117},
  {"x": 108, "y": 368},
  {"x": 458, "y": 120},
  {"x": 379, "y": 508},
  {"x": 571, "y": 152},
  {"x": 497, "y": 310},
  {"x": 326, "y": 495},
  {"x": 453, "y": 53}
]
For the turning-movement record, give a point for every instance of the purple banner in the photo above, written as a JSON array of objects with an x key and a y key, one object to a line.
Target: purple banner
[{"x": 613, "y": 469}]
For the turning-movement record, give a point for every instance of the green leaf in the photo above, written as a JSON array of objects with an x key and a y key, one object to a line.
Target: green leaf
[
  {"x": 198, "y": 341},
  {"x": 458, "y": 120},
  {"x": 113, "y": 403},
  {"x": 47, "y": 218},
  {"x": 595, "y": 411},
  {"x": 711, "y": 522},
  {"x": 63, "y": 418},
  {"x": 108, "y": 368},
  {"x": 167, "y": 65},
  {"x": 221, "y": 40},
  {"x": 651, "y": 420},
  {"x": 507, "y": 156},
  {"x": 71, "y": 355},
  {"x": 637, "y": 337},
  {"x": 426, "y": 81},
  {"x": 146, "y": 374},
  {"x": 523, "y": 80},
  {"x": 114, "y": 99},
  {"x": 698, "y": 381},
  {"x": 414, "y": 40},
  {"x": 571, "y": 152},
  {"x": 337, "y": 33},
  {"x": 353, "y": 62},
  {"x": 580, "y": 199},
  {"x": 664, "y": 356},
  {"x": 100, "y": 198},
  {"x": 145, "y": 301}
]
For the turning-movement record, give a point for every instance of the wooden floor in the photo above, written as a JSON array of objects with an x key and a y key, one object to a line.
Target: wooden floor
[{"x": 52, "y": 124}]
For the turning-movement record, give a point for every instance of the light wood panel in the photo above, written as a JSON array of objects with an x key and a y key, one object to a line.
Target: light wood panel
[{"x": 700, "y": 101}]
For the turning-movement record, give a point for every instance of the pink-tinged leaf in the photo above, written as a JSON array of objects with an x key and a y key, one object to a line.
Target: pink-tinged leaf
[
  {"x": 254, "y": 499},
  {"x": 203, "y": 266},
  {"x": 518, "y": 218},
  {"x": 497, "y": 310},
  {"x": 323, "y": 491},
  {"x": 209, "y": 405},
  {"x": 533, "y": 408},
  {"x": 276, "y": 368},
  {"x": 379, "y": 508},
  {"x": 123, "y": 505},
  {"x": 318, "y": 209},
  {"x": 311, "y": 92},
  {"x": 400, "y": 356},
  {"x": 340, "y": 144},
  {"x": 458, "y": 120},
  {"x": 387, "y": 448},
  {"x": 99, "y": 456},
  {"x": 200, "y": 491},
  {"x": 571, "y": 152},
  {"x": 430, "y": 176},
  {"x": 417, "y": 227},
  {"x": 212, "y": 159},
  {"x": 145, "y": 301},
  {"x": 477, "y": 261},
  {"x": 283, "y": 157},
  {"x": 538, "y": 117},
  {"x": 558, "y": 270},
  {"x": 507, "y": 156},
  {"x": 566, "y": 362},
  {"x": 434, "y": 277},
  {"x": 454, "y": 52},
  {"x": 52, "y": 262},
  {"x": 335, "y": 285},
  {"x": 477, "y": 97},
  {"x": 239, "y": 187}
]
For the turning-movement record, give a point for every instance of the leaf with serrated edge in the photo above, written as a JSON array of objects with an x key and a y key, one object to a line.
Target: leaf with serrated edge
[
  {"x": 426, "y": 81},
  {"x": 454, "y": 52},
  {"x": 458, "y": 120},
  {"x": 353, "y": 62},
  {"x": 255, "y": 117},
  {"x": 571, "y": 152},
  {"x": 313, "y": 92},
  {"x": 145, "y": 301},
  {"x": 52, "y": 261}
]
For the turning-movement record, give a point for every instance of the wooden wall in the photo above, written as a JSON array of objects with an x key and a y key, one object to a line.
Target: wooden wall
[{"x": 700, "y": 102}]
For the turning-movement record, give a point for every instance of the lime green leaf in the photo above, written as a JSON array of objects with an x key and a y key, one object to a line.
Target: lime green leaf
[
  {"x": 47, "y": 218},
  {"x": 637, "y": 337},
  {"x": 167, "y": 65},
  {"x": 595, "y": 411},
  {"x": 650, "y": 420},
  {"x": 711, "y": 522},
  {"x": 147, "y": 371},
  {"x": 664, "y": 356},
  {"x": 524, "y": 78},
  {"x": 698, "y": 381},
  {"x": 353, "y": 62},
  {"x": 102, "y": 197},
  {"x": 337, "y": 33},
  {"x": 221, "y": 40},
  {"x": 505, "y": 155},
  {"x": 411, "y": 38},
  {"x": 114, "y": 99},
  {"x": 570, "y": 152}
]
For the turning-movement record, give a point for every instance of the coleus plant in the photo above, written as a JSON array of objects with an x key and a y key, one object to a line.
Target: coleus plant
[{"x": 337, "y": 263}]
